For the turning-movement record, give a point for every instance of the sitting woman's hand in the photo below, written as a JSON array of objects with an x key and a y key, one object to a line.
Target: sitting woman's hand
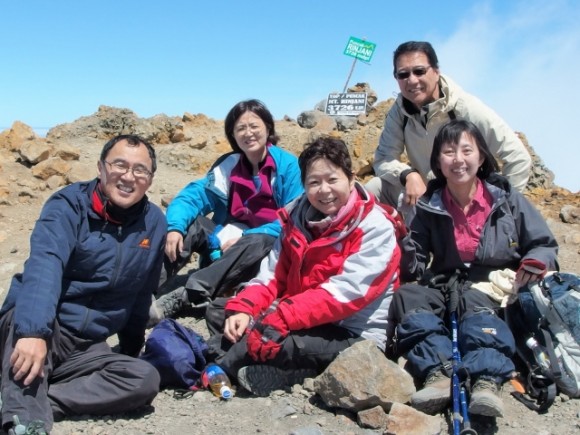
[
  {"x": 266, "y": 337},
  {"x": 173, "y": 245},
  {"x": 530, "y": 270},
  {"x": 236, "y": 325}
]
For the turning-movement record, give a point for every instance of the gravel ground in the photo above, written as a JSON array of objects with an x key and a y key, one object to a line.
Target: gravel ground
[{"x": 296, "y": 411}]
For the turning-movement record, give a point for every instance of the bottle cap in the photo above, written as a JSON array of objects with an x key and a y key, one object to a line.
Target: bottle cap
[
  {"x": 531, "y": 342},
  {"x": 226, "y": 392}
]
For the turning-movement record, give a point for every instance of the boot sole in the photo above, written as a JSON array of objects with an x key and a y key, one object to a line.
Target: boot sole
[{"x": 261, "y": 380}]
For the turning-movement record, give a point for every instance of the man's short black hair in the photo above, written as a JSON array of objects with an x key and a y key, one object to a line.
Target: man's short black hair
[
  {"x": 413, "y": 46},
  {"x": 134, "y": 140}
]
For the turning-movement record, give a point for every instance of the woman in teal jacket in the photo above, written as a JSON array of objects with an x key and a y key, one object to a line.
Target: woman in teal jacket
[{"x": 243, "y": 190}]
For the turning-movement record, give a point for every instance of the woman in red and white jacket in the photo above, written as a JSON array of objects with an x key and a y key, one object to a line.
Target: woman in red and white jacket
[{"x": 327, "y": 283}]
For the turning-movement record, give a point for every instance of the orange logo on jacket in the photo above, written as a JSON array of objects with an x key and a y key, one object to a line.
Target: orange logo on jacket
[{"x": 145, "y": 243}]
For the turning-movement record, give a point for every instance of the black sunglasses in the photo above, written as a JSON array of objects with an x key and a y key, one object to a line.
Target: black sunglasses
[{"x": 417, "y": 71}]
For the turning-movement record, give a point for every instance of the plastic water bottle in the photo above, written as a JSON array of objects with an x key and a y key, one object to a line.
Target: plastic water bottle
[
  {"x": 18, "y": 429},
  {"x": 540, "y": 353},
  {"x": 215, "y": 250},
  {"x": 214, "y": 378}
]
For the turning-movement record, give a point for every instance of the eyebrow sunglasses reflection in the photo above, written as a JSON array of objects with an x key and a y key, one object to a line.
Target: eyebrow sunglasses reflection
[
  {"x": 121, "y": 168},
  {"x": 417, "y": 71}
]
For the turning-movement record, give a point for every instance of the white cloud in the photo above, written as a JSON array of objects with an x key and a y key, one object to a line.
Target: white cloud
[{"x": 524, "y": 64}]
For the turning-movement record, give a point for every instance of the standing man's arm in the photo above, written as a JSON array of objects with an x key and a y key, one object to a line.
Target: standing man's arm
[{"x": 387, "y": 164}]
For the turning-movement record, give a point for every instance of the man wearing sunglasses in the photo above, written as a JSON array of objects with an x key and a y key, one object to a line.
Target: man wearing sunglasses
[
  {"x": 428, "y": 100},
  {"x": 95, "y": 258}
]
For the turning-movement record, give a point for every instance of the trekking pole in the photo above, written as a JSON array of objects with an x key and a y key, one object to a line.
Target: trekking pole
[
  {"x": 455, "y": 377},
  {"x": 461, "y": 425},
  {"x": 467, "y": 430}
]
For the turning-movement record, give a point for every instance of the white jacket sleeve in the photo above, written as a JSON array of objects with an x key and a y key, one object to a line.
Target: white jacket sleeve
[{"x": 387, "y": 164}]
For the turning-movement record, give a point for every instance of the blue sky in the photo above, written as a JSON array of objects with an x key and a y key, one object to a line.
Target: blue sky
[{"x": 62, "y": 59}]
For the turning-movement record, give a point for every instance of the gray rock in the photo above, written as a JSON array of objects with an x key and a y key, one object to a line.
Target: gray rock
[
  {"x": 346, "y": 123},
  {"x": 315, "y": 118},
  {"x": 405, "y": 420},
  {"x": 362, "y": 377},
  {"x": 570, "y": 214},
  {"x": 373, "y": 418}
]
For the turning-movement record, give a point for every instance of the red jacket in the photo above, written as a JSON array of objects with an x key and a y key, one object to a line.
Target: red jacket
[{"x": 345, "y": 276}]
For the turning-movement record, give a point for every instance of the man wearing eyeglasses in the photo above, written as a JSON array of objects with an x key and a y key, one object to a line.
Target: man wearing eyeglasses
[
  {"x": 428, "y": 100},
  {"x": 95, "y": 260}
]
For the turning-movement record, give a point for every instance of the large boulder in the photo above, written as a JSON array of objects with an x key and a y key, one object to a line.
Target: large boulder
[
  {"x": 13, "y": 138},
  {"x": 361, "y": 377}
]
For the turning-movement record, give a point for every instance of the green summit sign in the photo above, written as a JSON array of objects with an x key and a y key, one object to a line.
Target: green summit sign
[{"x": 360, "y": 49}]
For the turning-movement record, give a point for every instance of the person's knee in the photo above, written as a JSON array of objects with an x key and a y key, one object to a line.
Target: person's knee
[
  {"x": 385, "y": 192},
  {"x": 373, "y": 186},
  {"x": 148, "y": 383},
  {"x": 484, "y": 329},
  {"x": 215, "y": 315}
]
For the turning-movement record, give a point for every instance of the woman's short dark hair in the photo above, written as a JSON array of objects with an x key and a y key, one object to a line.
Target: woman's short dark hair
[
  {"x": 133, "y": 140},
  {"x": 451, "y": 133},
  {"x": 254, "y": 106},
  {"x": 334, "y": 150},
  {"x": 413, "y": 46}
]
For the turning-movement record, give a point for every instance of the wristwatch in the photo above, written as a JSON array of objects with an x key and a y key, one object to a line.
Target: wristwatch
[{"x": 403, "y": 176}]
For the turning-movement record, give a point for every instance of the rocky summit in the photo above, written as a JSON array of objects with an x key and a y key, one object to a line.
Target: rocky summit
[{"x": 361, "y": 392}]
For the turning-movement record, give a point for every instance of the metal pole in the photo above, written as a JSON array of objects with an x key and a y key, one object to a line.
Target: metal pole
[{"x": 349, "y": 74}]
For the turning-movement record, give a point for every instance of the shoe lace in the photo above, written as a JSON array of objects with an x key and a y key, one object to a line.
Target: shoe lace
[
  {"x": 171, "y": 302},
  {"x": 35, "y": 427},
  {"x": 486, "y": 384},
  {"x": 435, "y": 377}
]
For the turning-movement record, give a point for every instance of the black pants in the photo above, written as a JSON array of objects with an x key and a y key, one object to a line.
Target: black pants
[
  {"x": 313, "y": 348},
  {"x": 238, "y": 264},
  {"x": 81, "y": 377}
]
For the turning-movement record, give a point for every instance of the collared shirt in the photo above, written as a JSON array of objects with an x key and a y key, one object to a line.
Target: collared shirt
[{"x": 467, "y": 228}]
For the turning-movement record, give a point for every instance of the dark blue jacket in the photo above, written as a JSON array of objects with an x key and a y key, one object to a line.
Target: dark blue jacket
[
  {"x": 96, "y": 278},
  {"x": 513, "y": 231}
]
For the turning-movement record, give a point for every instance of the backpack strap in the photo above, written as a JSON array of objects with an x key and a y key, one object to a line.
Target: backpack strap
[
  {"x": 405, "y": 120},
  {"x": 539, "y": 399}
]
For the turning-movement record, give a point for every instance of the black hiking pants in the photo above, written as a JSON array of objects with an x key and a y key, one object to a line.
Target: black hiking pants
[
  {"x": 238, "y": 264},
  {"x": 313, "y": 348},
  {"x": 80, "y": 377}
]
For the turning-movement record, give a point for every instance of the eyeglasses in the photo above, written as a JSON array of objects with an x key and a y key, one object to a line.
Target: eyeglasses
[
  {"x": 417, "y": 71},
  {"x": 121, "y": 168},
  {"x": 243, "y": 128}
]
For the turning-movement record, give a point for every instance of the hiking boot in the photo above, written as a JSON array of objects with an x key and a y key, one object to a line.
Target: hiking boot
[
  {"x": 167, "y": 306},
  {"x": 35, "y": 427},
  {"x": 261, "y": 380},
  {"x": 435, "y": 395},
  {"x": 485, "y": 399}
]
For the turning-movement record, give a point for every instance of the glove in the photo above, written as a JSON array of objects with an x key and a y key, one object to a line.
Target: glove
[
  {"x": 530, "y": 270},
  {"x": 266, "y": 337}
]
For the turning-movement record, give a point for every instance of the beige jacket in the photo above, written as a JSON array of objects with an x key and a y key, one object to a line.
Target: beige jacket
[{"x": 417, "y": 138}]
